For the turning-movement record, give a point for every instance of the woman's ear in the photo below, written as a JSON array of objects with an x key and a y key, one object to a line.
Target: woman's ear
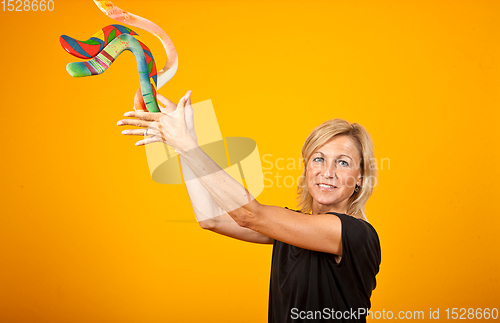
[{"x": 360, "y": 181}]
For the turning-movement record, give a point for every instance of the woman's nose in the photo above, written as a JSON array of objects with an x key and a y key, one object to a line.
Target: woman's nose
[{"x": 328, "y": 170}]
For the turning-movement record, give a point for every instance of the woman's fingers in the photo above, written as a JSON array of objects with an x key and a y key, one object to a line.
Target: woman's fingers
[
  {"x": 161, "y": 127},
  {"x": 189, "y": 112},
  {"x": 148, "y": 116},
  {"x": 181, "y": 104},
  {"x": 133, "y": 122},
  {"x": 169, "y": 105},
  {"x": 188, "y": 96},
  {"x": 183, "y": 101},
  {"x": 137, "y": 132},
  {"x": 163, "y": 100},
  {"x": 148, "y": 140},
  {"x": 151, "y": 130},
  {"x": 144, "y": 119}
]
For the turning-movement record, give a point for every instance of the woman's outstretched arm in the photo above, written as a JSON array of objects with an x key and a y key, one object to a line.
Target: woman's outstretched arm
[
  {"x": 315, "y": 232},
  {"x": 320, "y": 232},
  {"x": 211, "y": 216},
  {"x": 208, "y": 213}
]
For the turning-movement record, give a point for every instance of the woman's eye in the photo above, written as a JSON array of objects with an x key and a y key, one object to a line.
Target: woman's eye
[
  {"x": 343, "y": 163},
  {"x": 318, "y": 159}
]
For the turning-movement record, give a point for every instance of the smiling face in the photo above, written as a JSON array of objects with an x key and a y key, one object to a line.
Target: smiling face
[{"x": 332, "y": 174}]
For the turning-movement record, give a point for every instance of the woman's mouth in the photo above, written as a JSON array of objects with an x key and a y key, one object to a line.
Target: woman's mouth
[{"x": 326, "y": 187}]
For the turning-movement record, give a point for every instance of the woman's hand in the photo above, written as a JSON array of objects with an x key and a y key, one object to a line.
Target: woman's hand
[{"x": 174, "y": 125}]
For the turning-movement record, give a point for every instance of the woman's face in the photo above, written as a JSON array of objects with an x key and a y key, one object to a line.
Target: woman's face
[{"x": 332, "y": 174}]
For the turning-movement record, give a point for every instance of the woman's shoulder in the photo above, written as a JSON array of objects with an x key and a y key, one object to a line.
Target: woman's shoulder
[
  {"x": 358, "y": 231},
  {"x": 358, "y": 221}
]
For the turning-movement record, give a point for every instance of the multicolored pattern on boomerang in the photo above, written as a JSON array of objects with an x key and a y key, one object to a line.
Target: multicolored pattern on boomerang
[
  {"x": 105, "y": 46},
  {"x": 125, "y": 17}
]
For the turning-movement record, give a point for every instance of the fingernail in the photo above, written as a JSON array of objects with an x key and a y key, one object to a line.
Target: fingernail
[
  {"x": 188, "y": 94},
  {"x": 119, "y": 123},
  {"x": 125, "y": 132},
  {"x": 127, "y": 114},
  {"x": 138, "y": 143}
]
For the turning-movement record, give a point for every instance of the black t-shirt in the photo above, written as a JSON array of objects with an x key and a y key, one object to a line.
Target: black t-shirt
[{"x": 310, "y": 286}]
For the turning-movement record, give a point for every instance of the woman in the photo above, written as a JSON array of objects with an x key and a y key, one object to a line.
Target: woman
[{"x": 326, "y": 255}]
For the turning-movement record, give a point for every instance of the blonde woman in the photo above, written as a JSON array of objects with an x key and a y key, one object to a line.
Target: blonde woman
[{"x": 325, "y": 255}]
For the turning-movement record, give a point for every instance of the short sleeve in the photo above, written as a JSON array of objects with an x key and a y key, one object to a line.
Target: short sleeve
[{"x": 360, "y": 249}]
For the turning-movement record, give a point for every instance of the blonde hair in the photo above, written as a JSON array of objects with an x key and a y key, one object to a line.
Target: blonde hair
[{"x": 320, "y": 136}]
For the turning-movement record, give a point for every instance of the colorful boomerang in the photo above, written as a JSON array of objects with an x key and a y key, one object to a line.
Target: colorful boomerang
[
  {"x": 168, "y": 71},
  {"x": 105, "y": 46}
]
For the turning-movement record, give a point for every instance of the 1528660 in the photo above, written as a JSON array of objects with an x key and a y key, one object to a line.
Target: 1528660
[{"x": 28, "y": 5}]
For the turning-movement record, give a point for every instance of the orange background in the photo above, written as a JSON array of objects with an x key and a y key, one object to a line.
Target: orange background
[{"x": 87, "y": 236}]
